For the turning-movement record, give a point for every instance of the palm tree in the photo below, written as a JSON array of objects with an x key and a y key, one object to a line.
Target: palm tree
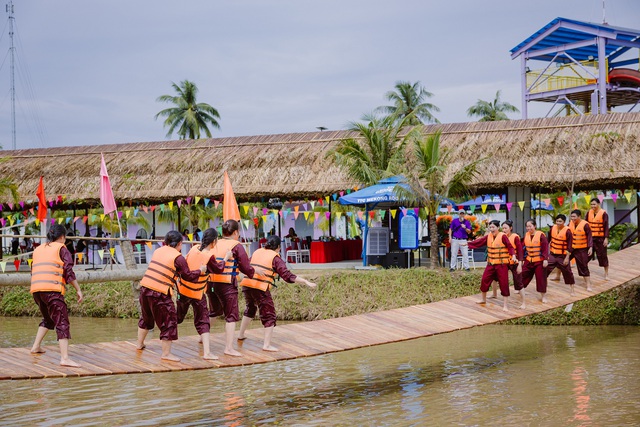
[
  {"x": 409, "y": 101},
  {"x": 431, "y": 179},
  {"x": 187, "y": 115},
  {"x": 7, "y": 186},
  {"x": 377, "y": 152},
  {"x": 491, "y": 111}
]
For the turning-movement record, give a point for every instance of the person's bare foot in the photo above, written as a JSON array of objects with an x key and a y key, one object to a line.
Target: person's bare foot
[
  {"x": 544, "y": 299},
  {"x": 233, "y": 352},
  {"x": 141, "y": 347},
  {"x": 69, "y": 362},
  {"x": 269, "y": 348},
  {"x": 522, "y": 307},
  {"x": 37, "y": 350},
  {"x": 200, "y": 340},
  {"x": 481, "y": 302},
  {"x": 505, "y": 309},
  {"x": 493, "y": 296},
  {"x": 555, "y": 279},
  {"x": 573, "y": 291},
  {"x": 242, "y": 338},
  {"x": 515, "y": 291},
  {"x": 210, "y": 357},
  {"x": 589, "y": 289},
  {"x": 170, "y": 357}
]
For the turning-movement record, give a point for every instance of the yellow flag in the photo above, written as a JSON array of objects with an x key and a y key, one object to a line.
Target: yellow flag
[
  {"x": 245, "y": 209},
  {"x": 37, "y": 224},
  {"x": 30, "y": 261},
  {"x": 484, "y": 208},
  {"x": 190, "y": 237},
  {"x": 60, "y": 220},
  {"x": 587, "y": 198},
  {"x": 521, "y": 205},
  {"x": 338, "y": 214},
  {"x": 149, "y": 244},
  {"x": 170, "y": 205},
  {"x": 393, "y": 213},
  {"x": 327, "y": 199},
  {"x": 128, "y": 213},
  {"x": 112, "y": 250},
  {"x": 3, "y": 265},
  {"x": 101, "y": 217},
  {"x": 101, "y": 253},
  {"x": 197, "y": 199},
  {"x": 426, "y": 210},
  {"x": 306, "y": 215},
  {"x": 627, "y": 195},
  {"x": 80, "y": 255}
]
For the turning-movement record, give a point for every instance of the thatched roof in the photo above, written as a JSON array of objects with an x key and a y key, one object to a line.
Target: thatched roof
[{"x": 601, "y": 151}]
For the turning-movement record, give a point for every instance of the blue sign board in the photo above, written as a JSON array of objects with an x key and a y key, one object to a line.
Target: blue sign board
[{"x": 408, "y": 230}]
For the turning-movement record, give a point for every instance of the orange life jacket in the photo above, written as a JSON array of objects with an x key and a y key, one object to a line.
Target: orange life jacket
[
  {"x": 513, "y": 237},
  {"x": 534, "y": 251},
  {"x": 221, "y": 248},
  {"x": 498, "y": 252},
  {"x": 195, "y": 259},
  {"x": 262, "y": 258},
  {"x": 596, "y": 222},
  {"x": 559, "y": 243},
  {"x": 579, "y": 235},
  {"x": 47, "y": 269},
  {"x": 161, "y": 275}
]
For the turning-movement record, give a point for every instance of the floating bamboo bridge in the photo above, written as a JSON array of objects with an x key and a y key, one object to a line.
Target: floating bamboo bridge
[{"x": 311, "y": 338}]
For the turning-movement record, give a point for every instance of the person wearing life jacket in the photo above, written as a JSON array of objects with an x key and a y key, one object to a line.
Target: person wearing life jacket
[
  {"x": 500, "y": 254},
  {"x": 582, "y": 245},
  {"x": 560, "y": 247},
  {"x": 51, "y": 271},
  {"x": 257, "y": 290},
  {"x": 223, "y": 295},
  {"x": 156, "y": 287},
  {"x": 535, "y": 262},
  {"x": 599, "y": 222},
  {"x": 192, "y": 293},
  {"x": 514, "y": 238}
]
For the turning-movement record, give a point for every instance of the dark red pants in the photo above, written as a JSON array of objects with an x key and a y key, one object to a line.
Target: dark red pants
[
  {"x": 601, "y": 251},
  {"x": 54, "y": 313},
  {"x": 262, "y": 301},
  {"x": 227, "y": 298},
  {"x": 517, "y": 277},
  {"x": 157, "y": 308},
  {"x": 530, "y": 269},
  {"x": 200, "y": 312},
  {"x": 499, "y": 273},
  {"x": 582, "y": 261},
  {"x": 557, "y": 261}
]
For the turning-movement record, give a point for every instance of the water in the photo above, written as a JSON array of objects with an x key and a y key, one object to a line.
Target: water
[{"x": 493, "y": 375}]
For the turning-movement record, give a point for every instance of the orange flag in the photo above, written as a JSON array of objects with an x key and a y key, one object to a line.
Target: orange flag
[
  {"x": 42, "y": 202},
  {"x": 230, "y": 206}
]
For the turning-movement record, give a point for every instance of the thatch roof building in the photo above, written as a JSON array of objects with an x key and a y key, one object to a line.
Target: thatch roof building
[{"x": 595, "y": 152}]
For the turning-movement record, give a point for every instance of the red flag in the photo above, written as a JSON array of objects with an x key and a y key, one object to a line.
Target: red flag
[
  {"x": 106, "y": 194},
  {"x": 230, "y": 205},
  {"x": 42, "y": 202}
]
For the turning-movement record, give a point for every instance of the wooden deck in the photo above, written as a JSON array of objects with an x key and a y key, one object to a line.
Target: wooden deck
[{"x": 311, "y": 338}]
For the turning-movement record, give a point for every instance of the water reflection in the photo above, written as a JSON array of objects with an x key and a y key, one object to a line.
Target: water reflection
[{"x": 502, "y": 375}]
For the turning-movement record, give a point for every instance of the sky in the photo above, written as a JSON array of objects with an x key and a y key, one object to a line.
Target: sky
[{"x": 89, "y": 72}]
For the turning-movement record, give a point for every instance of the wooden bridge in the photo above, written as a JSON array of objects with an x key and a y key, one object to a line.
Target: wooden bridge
[{"x": 311, "y": 338}]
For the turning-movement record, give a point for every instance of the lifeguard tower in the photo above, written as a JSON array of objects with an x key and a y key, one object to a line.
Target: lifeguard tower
[{"x": 580, "y": 67}]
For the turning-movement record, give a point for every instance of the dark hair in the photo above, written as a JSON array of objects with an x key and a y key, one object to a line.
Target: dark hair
[
  {"x": 172, "y": 238},
  {"x": 509, "y": 223},
  {"x": 577, "y": 212},
  {"x": 596, "y": 200},
  {"x": 273, "y": 242},
  {"x": 532, "y": 221},
  {"x": 209, "y": 236},
  {"x": 55, "y": 232},
  {"x": 560, "y": 216},
  {"x": 229, "y": 227},
  {"x": 495, "y": 222}
]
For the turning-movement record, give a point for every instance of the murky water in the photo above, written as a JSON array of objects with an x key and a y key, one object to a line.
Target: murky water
[{"x": 493, "y": 375}]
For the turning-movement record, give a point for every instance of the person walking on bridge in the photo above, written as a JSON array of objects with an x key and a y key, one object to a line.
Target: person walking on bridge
[
  {"x": 560, "y": 248},
  {"x": 582, "y": 245},
  {"x": 599, "y": 222},
  {"x": 535, "y": 262}
]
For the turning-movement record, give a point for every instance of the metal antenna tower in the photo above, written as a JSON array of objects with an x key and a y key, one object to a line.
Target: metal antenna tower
[{"x": 12, "y": 51}]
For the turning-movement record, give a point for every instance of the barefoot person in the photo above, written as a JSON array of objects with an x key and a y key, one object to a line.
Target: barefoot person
[
  {"x": 516, "y": 242},
  {"x": 500, "y": 253},
  {"x": 560, "y": 247},
  {"x": 257, "y": 290},
  {"x": 224, "y": 298},
  {"x": 599, "y": 222},
  {"x": 156, "y": 306},
  {"x": 582, "y": 245},
  {"x": 51, "y": 270},
  {"x": 192, "y": 293},
  {"x": 535, "y": 263}
]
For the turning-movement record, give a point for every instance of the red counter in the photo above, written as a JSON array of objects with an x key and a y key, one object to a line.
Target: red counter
[{"x": 339, "y": 250}]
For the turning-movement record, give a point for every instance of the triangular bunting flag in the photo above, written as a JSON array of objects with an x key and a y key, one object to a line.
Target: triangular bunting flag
[
  {"x": 627, "y": 195},
  {"x": 138, "y": 247},
  {"x": 112, "y": 251},
  {"x": 30, "y": 261},
  {"x": 295, "y": 215},
  {"x": 614, "y": 196},
  {"x": 547, "y": 201},
  {"x": 190, "y": 236},
  {"x": 484, "y": 208},
  {"x": 601, "y": 197},
  {"x": 472, "y": 208},
  {"x": 179, "y": 203},
  {"x": 101, "y": 253},
  {"x": 149, "y": 244},
  {"x": 509, "y": 204},
  {"x": 521, "y": 205},
  {"x": 206, "y": 202},
  {"x": 170, "y": 205},
  {"x": 560, "y": 200},
  {"x": 306, "y": 215},
  {"x": 101, "y": 217},
  {"x": 197, "y": 199},
  {"x": 313, "y": 203},
  {"x": 245, "y": 209},
  {"x": 497, "y": 206},
  {"x": 216, "y": 203},
  {"x": 338, "y": 215},
  {"x": 382, "y": 213},
  {"x": 327, "y": 214},
  {"x": 587, "y": 198},
  {"x": 393, "y": 213},
  {"x": 317, "y": 215},
  {"x": 327, "y": 199},
  {"x": 80, "y": 255},
  {"x": 3, "y": 265},
  {"x": 16, "y": 264}
]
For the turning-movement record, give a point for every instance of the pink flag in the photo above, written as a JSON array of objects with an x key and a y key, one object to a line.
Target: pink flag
[{"x": 106, "y": 194}]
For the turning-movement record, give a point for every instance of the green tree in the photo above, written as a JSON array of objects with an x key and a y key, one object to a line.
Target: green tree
[
  {"x": 491, "y": 111},
  {"x": 409, "y": 102},
  {"x": 431, "y": 178},
  {"x": 190, "y": 117},
  {"x": 7, "y": 186}
]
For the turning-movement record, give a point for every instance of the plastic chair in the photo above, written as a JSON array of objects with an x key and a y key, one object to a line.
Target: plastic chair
[{"x": 472, "y": 262}]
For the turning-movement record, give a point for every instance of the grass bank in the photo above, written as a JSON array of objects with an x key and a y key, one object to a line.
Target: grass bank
[{"x": 346, "y": 293}]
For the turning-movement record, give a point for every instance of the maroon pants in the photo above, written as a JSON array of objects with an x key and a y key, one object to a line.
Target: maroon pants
[
  {"x": 157, "y": 308},
  {"x": 499, "y": 273},
  {"x": 54, "y": 313},
  {"x": 262, "y": 301},
  {"x": 582, "y": 261},
  {"x": 517, "y": 277},
  {"x": 200, "y": 312},
  {"x": 601, "y": 251},
  {"x": 530, "y": 269},
  {"x": 557, "y": 261},
  {"x": 227, "y": 295}
]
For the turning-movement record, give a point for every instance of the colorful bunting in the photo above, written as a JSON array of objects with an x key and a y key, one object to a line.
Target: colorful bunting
[
  {"x": 497, "y": 206},
  {"x": 101, "y": 253},
  {"x": 509, "y": 204},
  {"x": 393, "y": 213},
  {"x": 560, "y": 200},
  {"x": 16, "y": 264},
  {"x": 600, "y": 197},
  {"x": 627, "y": 195},
  {"x": 521, "y": 205},
  {"x": 587, "y": 198},
  {"x": 484, "y": 208},
  {"x": 614, "y": 196},
  {"x": 3, "y": 265}
]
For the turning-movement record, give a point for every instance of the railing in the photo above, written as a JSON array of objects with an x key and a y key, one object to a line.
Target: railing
[{"x": 628, "y": 241}]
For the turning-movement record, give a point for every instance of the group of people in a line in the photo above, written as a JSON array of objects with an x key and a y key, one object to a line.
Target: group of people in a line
[
  {"x": 209, "y": 271},
  {"x": 535, "y": 255}
]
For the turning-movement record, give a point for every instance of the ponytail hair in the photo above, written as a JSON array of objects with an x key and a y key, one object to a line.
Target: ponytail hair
[
  {"x": 495, "y": 222},
  {"x": 229, "y": 227},
  {"x": 173, "y": 238},
  {"x": 209, "y": 236},
  {"x": 55, "y": 232}
]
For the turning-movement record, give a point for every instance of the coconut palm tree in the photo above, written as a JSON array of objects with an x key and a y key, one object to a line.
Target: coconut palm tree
[
  {"x": 190, "y": 117},
  {"x": 409, "y": 101},
  {"x": 431, "y": 179},
  {"x": 491, "y": 111},
  {"x": 7, "y": 186}
]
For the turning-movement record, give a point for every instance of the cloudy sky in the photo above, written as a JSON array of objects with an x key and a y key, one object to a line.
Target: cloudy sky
[{"x": 89, "y": 72}]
